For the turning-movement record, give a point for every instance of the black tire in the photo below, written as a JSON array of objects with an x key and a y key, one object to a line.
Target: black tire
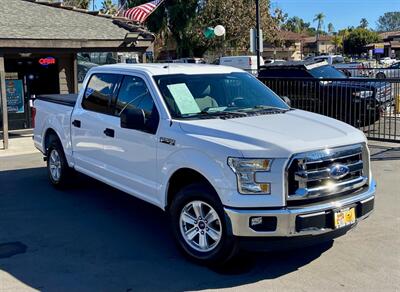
[
  {"x": 380, "y": 75},
  {"x": 227, "y": 246},
  {"x": 65, "y": 172}
]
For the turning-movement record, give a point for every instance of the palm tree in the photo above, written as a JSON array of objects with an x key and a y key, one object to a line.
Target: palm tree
[
  {"x": 84, "y": 4},
  {"x": 331, "y": 29},
  {"x": 320, "y": 18},
  {"x": 108, "y": 7},
  {"x": 364, "y": 23}
]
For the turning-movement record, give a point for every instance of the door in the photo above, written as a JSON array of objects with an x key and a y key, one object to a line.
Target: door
[
  {"x": 88, "y": 120},
  {"x": 130, "y": 156}
]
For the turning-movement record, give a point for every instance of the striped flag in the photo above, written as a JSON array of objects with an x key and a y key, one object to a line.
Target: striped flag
[{"x": 141, "y": 12}]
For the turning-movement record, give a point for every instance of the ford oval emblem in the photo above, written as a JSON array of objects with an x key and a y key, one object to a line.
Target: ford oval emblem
[{"x": 337, "y": 171}]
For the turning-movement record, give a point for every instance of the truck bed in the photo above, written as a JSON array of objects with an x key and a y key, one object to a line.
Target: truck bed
[{"x": 64, "y": 99}]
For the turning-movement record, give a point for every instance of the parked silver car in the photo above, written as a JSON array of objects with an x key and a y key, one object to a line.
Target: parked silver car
[{"x": 390, "y": 72}]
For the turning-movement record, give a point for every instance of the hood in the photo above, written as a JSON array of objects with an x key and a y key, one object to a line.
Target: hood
[{"x": 275, "y": 135}]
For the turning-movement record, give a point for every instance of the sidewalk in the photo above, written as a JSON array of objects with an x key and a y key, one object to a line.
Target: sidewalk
[{"x": 23, "y": 144}]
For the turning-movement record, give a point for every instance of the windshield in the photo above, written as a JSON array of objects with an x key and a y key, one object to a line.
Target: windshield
[
  {"x": 216, "y": 94},
  {"x": 326, "y": 72}
]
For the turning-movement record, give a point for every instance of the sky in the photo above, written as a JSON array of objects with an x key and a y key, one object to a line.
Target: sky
[
  {"x": 342, "y": 13},
  {"x": 97, "y": 3}
]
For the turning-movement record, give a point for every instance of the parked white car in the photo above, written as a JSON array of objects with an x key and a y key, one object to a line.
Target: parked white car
[
  {"x": 272, "y": 61},
  {"x": 233, "y": 165},
  {"x": 392, "y": 71},
  {"x": 190, "y": 60},
  {"x": 387, "y": 61},
  {"x": 246, "y": 63},
  {"x": 351, "y": 69}
]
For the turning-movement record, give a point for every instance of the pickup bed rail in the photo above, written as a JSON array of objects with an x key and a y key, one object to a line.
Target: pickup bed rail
[{"x": 64, "y": 99}]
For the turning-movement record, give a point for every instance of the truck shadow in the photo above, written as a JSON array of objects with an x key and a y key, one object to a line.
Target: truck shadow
[
  {"x": 379, "y": 152},
  {"x": 92, "y": 237}
]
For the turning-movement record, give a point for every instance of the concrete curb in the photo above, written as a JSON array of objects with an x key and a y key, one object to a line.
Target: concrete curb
[{"x": 19, "y": 146}]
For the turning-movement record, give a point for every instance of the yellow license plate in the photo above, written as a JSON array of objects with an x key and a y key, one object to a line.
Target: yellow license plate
[{"x": 344, "y": 217}]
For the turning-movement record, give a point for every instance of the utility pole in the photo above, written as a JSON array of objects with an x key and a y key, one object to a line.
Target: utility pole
[{"x": 258, "y": 34}]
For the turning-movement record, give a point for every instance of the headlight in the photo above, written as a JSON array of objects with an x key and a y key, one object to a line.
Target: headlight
[
  {"x": 245, "y": 170},
  {"x": 364, "y": 93}
]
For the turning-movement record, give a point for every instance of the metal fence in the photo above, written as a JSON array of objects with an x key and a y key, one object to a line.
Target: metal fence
[{"x": 373, "y": 105}]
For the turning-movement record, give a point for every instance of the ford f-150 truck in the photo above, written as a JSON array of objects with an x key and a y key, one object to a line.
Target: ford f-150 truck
[{"x": 232, "y": 164}]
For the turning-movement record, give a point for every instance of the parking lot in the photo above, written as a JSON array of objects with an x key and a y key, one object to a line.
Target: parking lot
[{"x": 92, "y": 237}]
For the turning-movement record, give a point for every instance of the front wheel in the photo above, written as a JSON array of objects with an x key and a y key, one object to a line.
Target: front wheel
[{"x": 199, "y": 225}]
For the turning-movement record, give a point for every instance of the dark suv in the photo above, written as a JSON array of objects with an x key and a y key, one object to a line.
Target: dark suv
[{"x": 320, "y": 88}]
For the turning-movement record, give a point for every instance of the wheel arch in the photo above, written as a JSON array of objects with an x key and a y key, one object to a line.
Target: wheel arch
[
  {"x": 46, "y": 138},
  {"x": 183, "y": 177}
]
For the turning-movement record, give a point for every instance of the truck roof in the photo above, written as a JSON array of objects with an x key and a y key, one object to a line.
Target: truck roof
[
  {"x": 173, "y": 68},
  {"x": 306, "y": 64}
]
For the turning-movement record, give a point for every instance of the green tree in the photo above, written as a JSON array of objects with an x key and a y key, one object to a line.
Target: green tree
[
  {"x": 108, "y": 7},
  {"x": 320, "y": 17},
  {"x": 237, "y": 16},
  {"x": 363, "y": 23},
  {"x": 331, "y": 28},
  {"x": 280, "y": 17},
  {"x": 357, "y": 39},
  {"x": 390, "y": 21},
  {"x": 296, "y": 24},
  {"x": 337, "y": 41},
  {"x": 185, "y": 21},
  {"x": 173, "y": 18},
  {"x": 344, "y": 34}
]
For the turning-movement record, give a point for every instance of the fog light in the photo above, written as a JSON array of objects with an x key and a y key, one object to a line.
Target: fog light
[
  {"x": 256, "y": 221},
  {"x": 263, "y": 223}
]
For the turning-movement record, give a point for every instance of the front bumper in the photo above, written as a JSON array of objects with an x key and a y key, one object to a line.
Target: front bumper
[{"x": 298, "y": 221}]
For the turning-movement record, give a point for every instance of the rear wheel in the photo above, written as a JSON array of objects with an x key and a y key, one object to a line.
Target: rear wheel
[
  {"x": 380, "y": 75},
  {"x": 199, "y": 225},
  {"x": 57, "y": 166}
]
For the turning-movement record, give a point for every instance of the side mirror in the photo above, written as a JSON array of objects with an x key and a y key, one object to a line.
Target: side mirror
[
  {"x": 287, "y": 100},
  {"x": 133, "y": 118}
]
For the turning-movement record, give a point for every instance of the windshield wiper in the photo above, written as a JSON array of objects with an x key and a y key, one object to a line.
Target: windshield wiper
[
  {"x": 223, "y": 113},
  {"x": 216, "y": 114},
  {"x": 265, "y": 108}
]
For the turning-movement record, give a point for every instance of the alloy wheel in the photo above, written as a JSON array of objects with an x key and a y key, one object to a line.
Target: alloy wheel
[{"x": 200, "y": 226}]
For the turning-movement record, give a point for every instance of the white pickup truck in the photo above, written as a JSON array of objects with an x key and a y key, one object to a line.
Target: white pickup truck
[{"x": 233, "y": 165}]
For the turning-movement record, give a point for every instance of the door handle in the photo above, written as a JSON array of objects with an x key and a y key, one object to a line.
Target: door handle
[
  {"x": 76, "y": 123},
  {"x": 109, "y": 132}
]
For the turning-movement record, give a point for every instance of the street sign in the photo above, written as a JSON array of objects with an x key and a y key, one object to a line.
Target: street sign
[
  {"x": 253, "y": 41},
  {"x": 379, "y": 49}
]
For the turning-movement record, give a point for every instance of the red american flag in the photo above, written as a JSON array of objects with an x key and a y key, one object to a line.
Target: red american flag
[{"x": 141, "y": 12}]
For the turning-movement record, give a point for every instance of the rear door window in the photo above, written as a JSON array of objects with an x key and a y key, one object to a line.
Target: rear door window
[{"x": 100, "y": 92}]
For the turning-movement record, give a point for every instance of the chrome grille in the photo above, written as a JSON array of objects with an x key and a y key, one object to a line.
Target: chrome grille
[{"x": 328, "y": 172}]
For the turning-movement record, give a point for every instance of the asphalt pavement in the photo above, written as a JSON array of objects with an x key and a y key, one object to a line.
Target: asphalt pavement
[{"x": 92, "y": 237}]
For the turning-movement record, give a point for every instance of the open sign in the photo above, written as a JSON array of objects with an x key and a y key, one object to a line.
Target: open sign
[{"x": 47, "y": 61}]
